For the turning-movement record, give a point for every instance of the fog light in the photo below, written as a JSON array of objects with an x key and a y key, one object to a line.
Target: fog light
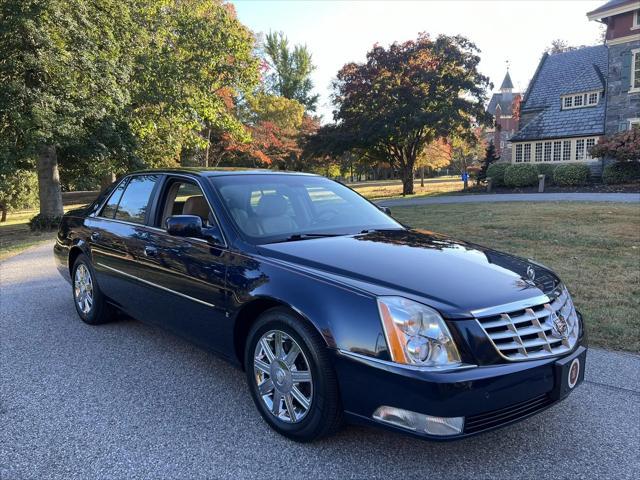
[{"x": 417, "y": 422}]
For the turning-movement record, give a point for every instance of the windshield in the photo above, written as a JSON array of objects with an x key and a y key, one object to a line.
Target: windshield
[{"x": 270, "y": 208}]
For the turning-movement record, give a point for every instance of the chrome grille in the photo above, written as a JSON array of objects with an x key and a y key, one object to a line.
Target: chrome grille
[{"x": 535, "y": 331}]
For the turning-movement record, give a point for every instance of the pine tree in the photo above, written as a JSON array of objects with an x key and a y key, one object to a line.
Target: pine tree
[{"x": 489, "y": 158}]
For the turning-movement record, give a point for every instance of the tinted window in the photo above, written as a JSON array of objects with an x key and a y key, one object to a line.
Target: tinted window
[
  {"x": 135, "y": 199},
  {"x": 273, "y": 207},
  {"x": 109, "y": 209}
]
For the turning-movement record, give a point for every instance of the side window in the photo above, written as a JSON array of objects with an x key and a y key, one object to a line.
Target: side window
[
  {"x": 109, "y": 210},
  {"x": 185, "y": 198},
  {"x": 135, "y": 199}
]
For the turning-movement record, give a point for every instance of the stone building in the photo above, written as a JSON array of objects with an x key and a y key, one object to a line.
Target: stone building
[{"x": 502, "y": 106}]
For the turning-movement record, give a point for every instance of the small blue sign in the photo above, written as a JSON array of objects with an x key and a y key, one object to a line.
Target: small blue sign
[{"x": 464, "y": 176}]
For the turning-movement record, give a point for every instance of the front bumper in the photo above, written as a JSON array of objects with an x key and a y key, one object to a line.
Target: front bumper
[{"x": 488, "y": 396}]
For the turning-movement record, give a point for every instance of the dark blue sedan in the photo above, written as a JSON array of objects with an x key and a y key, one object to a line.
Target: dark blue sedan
[{"x": 335, "y": 310}]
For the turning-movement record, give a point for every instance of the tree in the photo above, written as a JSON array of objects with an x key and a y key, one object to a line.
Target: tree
[
  {"x": 622, "y": 146},
  {"x": 290, "y": 70},
  {"x": 465, "y": 150},
  {"x": 559, "y": 46},
  {"x": 490, "y": 157},
  {"x": 407, "y": 96},
  {"x": 61, "y": 66},
  {"x": 435, "y": 155}
]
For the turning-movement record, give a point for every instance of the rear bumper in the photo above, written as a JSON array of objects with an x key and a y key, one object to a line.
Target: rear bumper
[{"x": 488, "y": 397}]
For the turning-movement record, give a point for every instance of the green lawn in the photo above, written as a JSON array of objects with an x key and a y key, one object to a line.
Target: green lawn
[{"x": 595, "y": 248}]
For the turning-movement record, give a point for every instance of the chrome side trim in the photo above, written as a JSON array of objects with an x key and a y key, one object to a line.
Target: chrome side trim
[
  {"x": 151, "y": 284},
  {"x": 416, "y": 368},
  {"x": 511, "y": 307}
]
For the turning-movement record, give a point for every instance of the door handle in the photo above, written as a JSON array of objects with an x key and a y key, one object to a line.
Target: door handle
[{"x": 150, "y": 251}]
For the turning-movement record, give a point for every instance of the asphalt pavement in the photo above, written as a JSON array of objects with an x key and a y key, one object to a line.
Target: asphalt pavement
[
  {"x": 513, "y": 197},
  {"x": 126, "y": 400}
]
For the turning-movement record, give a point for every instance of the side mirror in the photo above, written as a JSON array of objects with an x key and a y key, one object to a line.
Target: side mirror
[
  {"x": 184, "y": 226},
  {"x": 386, "y": 210}
]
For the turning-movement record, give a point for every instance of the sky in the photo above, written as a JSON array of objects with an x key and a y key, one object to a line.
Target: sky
[{"x": 338, "y": 32}]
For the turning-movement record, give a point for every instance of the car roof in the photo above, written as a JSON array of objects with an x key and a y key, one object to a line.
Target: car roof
[{"x": 217, "y": 172}]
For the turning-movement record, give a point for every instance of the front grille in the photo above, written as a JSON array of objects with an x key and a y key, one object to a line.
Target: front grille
[
  {"x": 495, "y": 418},
  {"x": 539, "y": 331}
]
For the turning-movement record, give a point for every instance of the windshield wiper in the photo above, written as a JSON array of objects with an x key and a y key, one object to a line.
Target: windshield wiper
[{"x": 305, "y": 236}]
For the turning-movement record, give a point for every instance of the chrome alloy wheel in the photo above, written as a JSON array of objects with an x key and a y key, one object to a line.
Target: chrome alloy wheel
[
  {"x": 283, "y": 376},
  {"x": 83, "y": 289}
]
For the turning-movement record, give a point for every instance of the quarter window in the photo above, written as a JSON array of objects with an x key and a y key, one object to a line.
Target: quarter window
[
  {"x": 109, "y": 210},
  {"x": 135, "y": 199}
]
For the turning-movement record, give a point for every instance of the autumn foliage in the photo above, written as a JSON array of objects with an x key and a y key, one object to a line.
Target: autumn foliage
[{"x": 623, "y": 146}]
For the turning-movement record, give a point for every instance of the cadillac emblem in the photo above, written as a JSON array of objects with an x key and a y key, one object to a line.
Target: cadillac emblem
[
  {"x": 531, "y": 273},
  {"x": 574, "y": 373},
  {"x": 559, "y": 325}
]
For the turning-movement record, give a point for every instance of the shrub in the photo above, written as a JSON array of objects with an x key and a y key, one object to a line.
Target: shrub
[
  {"x": 19, "y": 189},
  {"x": 522, "y": 175},
  {"x": 496, "y": 172},
  {"x": 548, "y": 170},
  {"x": 621, "y": 172},
  {"x": 571, "y": 174},
  {"x": 620, "y": 146},
  {"x": 41, "y": 223}
]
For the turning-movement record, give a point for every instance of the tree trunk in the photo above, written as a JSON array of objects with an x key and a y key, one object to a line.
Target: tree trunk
[
  {"x": 3, "y": 208},
  {"x": 49, "y": 183},
  {"x": 422, "y": 176}
]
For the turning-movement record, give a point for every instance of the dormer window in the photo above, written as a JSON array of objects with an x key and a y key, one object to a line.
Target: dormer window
[{"x": 580, "y": 100}]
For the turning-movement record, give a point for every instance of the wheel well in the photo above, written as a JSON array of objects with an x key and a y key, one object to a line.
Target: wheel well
[
  {"x": 73, "y": 254},
  {"x": 246, "y": 318}
]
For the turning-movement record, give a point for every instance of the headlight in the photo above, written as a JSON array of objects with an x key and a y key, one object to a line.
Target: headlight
[{"x": 416, "y": 334}]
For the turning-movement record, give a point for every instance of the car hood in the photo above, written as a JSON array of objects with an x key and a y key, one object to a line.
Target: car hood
[{"x": 453, "y": 276}]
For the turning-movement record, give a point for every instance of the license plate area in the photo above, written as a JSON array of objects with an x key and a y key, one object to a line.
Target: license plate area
[{"x": 569, "y": 373}]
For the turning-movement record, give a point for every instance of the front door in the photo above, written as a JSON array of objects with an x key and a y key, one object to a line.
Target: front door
[{"x": 188, "y": 273}]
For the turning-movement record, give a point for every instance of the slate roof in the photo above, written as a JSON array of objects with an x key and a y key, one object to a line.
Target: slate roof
[
  {"x": 505, "y": 104},
  {"x": 506, "y": 83},
  {"x": 577, "y": 71}
]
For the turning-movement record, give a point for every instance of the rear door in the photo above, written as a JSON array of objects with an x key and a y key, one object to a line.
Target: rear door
[{"x": 118, "y": 238}]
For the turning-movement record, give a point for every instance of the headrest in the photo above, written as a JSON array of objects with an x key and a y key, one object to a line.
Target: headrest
[
  {"x": 196, "y": 205},
  {"x": 272, "y": 205}
]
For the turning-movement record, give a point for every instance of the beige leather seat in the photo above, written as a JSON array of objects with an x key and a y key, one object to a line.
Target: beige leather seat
[
  {"x": 272, "y": 215},
  {"x": 197, "y": 205}
]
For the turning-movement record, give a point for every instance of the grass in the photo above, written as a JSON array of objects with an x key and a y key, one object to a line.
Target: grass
[
  {"x": 15, "y": 235},
  {"x": 594, "y": 248},
  {"x": 393, "y": 188}
]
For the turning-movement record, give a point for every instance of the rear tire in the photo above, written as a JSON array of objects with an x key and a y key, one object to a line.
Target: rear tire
[
  {"x": 89, "y": 301},
  {"x": 297, "y": 376}
]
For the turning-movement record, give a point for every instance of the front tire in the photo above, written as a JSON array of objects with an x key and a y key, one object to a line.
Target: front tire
[
  {"x": 290, "y": 377},
  {"x": 90, "y": 304}
]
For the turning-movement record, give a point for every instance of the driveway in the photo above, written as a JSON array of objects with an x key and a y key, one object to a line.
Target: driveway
[
  {"x": 126, "y": 400},
  {"x": 514, "y": 197}
]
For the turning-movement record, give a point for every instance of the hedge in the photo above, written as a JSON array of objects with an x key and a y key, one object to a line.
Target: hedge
[
  {"x": 571, "y": 174},
  {"x": 548, "y": 170},
  {"x": 621, "y": 172},
  {"x": 19, "y": 190},
  {"x": 496, "y": 172},
  {"x": 522, "y": 175}
]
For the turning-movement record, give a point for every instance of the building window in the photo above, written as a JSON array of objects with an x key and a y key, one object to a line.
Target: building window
[
  {"x": 636, "y": 19},
  {"x": 581, "y": 100},
  {"x": 519, "y": 152},
  {"x": 577, "y": 101},
  {"x": 538, "y": 152},
  {"x": 634, "y": 123},
  {"x": 547, "y": 151},
  {"x": 568, "y": 102},
  {"x": 592, "y": 99},
  {"x": 566, "y": 150},
  {"x": 635, "y": 70},
  {"x": 590, "y": 143},
  {"x": 527, "y": 152},
  {"x": 557, "y": 150},
  {"x": 580, "y": 149}
]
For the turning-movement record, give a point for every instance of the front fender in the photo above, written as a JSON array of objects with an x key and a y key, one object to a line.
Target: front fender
[{"x": 347, "y": 318}]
